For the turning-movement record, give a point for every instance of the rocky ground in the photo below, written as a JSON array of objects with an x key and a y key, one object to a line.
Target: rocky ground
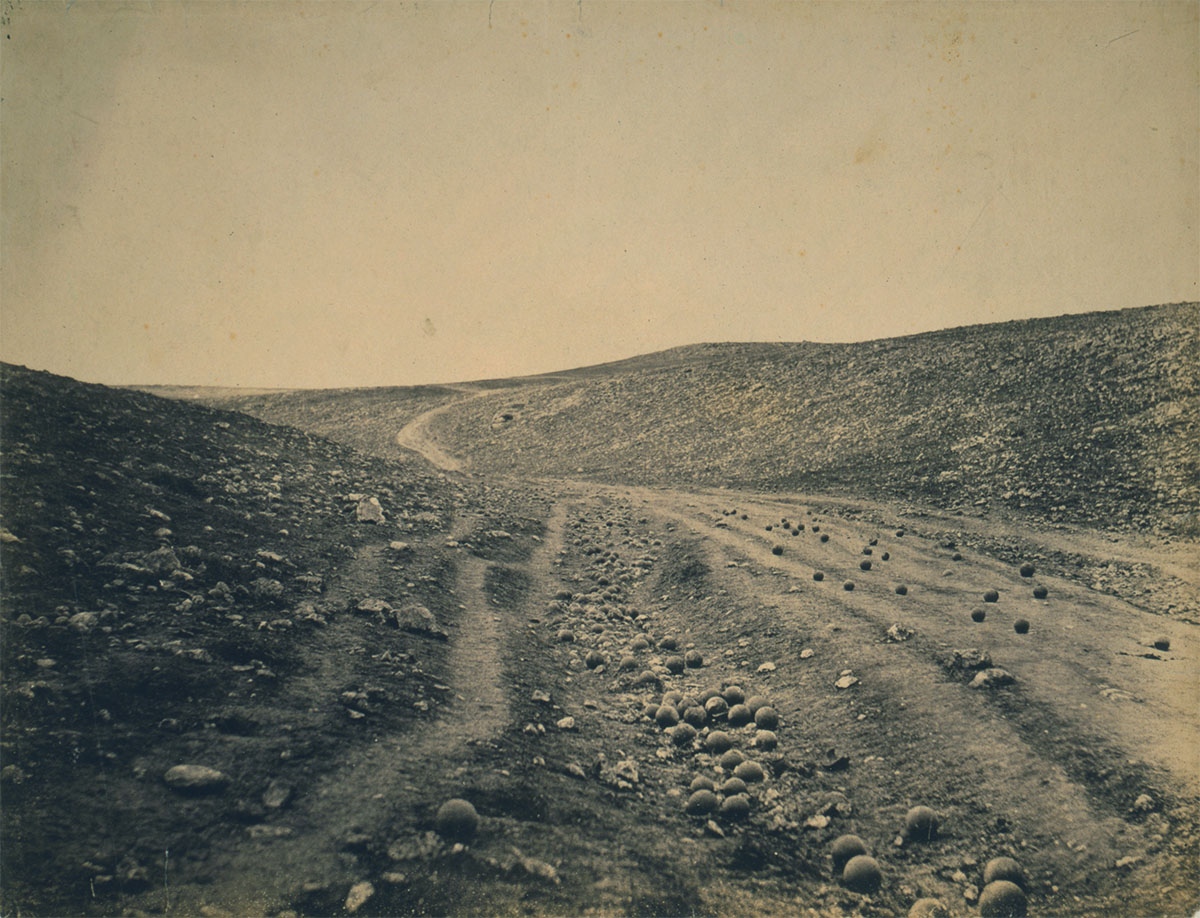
[{"x": 246, "y": 667}]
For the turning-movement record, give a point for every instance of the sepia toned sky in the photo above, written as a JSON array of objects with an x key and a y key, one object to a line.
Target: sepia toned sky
[{"x": 328, "y": 194}]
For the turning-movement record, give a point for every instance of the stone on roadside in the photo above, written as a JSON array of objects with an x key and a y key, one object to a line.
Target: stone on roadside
[
  {"x": 991, "y": 678},
  {"x": 358, "y": 896},
  {"x": 369, "y": 510},
  {"x": 195, "y": 779}
]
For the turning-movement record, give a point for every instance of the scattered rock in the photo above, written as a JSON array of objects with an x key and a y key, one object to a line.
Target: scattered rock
[
  {"x": 358, "y": 896},
  {"x": 369, "y": 510},
  {"x": 929, "y": 908},
  {"x": 195, "y": 779},
  {"x": 899, "y": 633},
  {"x": 993, "y": 677},
  {"x": 846, "y": 681}
]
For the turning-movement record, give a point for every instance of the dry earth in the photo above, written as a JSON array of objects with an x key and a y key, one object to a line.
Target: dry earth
[{"x": 562, "y": 611}]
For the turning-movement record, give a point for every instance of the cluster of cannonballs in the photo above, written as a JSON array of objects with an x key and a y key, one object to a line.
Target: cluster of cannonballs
[
  {"x": 1021, "y": 625},
  {"x": 684, "y": 716},
  {"x": 856, "y": 869}
]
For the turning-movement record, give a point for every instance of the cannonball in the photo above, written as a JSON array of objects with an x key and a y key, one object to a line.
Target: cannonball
[
  {"x": 701, "y": 802},
  {"x": 978, "y": 615},
  {"x": 754, "y": 702},
  {"x": 864, "y": 564},
  {"x": 929, "y": 908},
  {"x": 707, "y": 694},
  {"x": 848, "y": 585},
  {"x": 824, "y": 536},
  {"x": 731, "y": 759},
  {"x": 683, "y": 734},
  {"x": 991, "y": 596},
  {"x": 673, "y": 698},
  {"x": 1021, "y": 626},
  {"x": 695, "y": 716},
  {"x": 1002, "y": 899},
  {"x": 873, "y": 542},
  {"x": 566, "y": 636},
  {"x": 901, "y": 589},
  {"x": 1003, "y": 868},
  {"x": 456, "y": 819},
  {"x": 750, "y": 772},
  {"x": 666, "y": 716},
  {"x": 702, "y": 782},
  {"x": 733, "y": 694},
  {"x": 734, "y": 785},
  {"x": 1027, "y": 569},
  {"x": 628, "y": 664},
  {"x": 650, "y": 710},
  {"x": 816, "y": 528},
  {"x": 1162, "y": 643},
  {"x": 886, "y": 556},
  {"x": 716, "y": 707},
  {"x": 766, "y": 717},
  {"x": 1040, "y": 592},
  {"x": 674, "y": 664},
  {"x": 777, "y": 550},
  {"x": 687, "y": 701},
  {"x": 735, "y": 807},
  {"x": 957, "y": 556},
  {"x": 818, "y": 576},
  {"x": 844, "y": 848},
  {"x": 718, "y": 741},
  {"x": 920, "y": 824},
  {"x": 862, "y": 874},
  {"x": 639, "y": 643},
  {"x": 693, "y": 659},
  {"x": 668, "y": 643},
  {"x": 766, "y": 739},
  {"x": 739, "y": 715},
  {"x": 595, "y": 658}
]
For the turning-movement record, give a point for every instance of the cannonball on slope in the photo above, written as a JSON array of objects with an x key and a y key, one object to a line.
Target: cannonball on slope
[
  {"x": 734, "y": 785},
  {"x": 867, "y": 551},
  {"x": 695, "y": 716},
  {"x": 777, "y": 550},
  {"x": 739, "y": 715},
  {"x": 628, "y": 664},
  {"x": 929, "y": 908},
  {"x": 754, "y": 702},
  {"x": 864, "y": 564},
  {"x": 668, "y": 643},
  {"x": 457, "y": 820},
  {"x": 673, "y": 698},
  {"x": 766, "y": 718},
  {"x": 595, "y": 658},
  {"x": 886, "y": 556},
  {"x": 862, "y": 874},
  {"x": 735, "y": 807},
  {"x": 650, "y": 710},
  {"x": 848, "y": 585},
  {"x": 1003, "y": 868},
  {"x": 702, "y": 782},
  {"x": 639, "y": 643},
  {"x": 731, "y": 759},
  {"x": 818, "y": 576},
  {"x": 1040, "y": 592},
  {"x": 901, "y": 589},
  {"x": 1021, "y": 626},
  {"x": 978, "y": 615},
  {"x": 766, "y": 740},
  {"x": 750, "y": 772},
  {"x": 1027, "y": 569},
  {"x": 1002, "y": 899},
  {"x": 824, "y": 536},
  {"x": 716, "y": 707},
  {"x": 816, "y": 528},
  {"x": 991, "y": 596},
  {"x": 693, "y": 659},
  {"x": 920, "y": 824},
  {"x": 701, "y": 802},
  {"x": 566, "y": 636},
  {"x": 1162, "y": 643},
  {"x": 666, "y": 716},
  {"x": 674, "y": 664},
  {"x": 682, "y": 734},
  {"x": 733, "y": 694},
  {"x": 707, "y": 694},
  {"x": 844, "y": 848},
  {"x": 718, "y": 741}
]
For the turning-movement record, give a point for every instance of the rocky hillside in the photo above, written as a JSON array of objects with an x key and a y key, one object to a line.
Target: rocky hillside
[
  {"x": 170, "y": 572},
  {"x": 1088, "y": 418}
]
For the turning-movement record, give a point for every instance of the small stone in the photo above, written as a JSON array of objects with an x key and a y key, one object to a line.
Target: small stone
[
  {"x": 369, "y": 510},
  {"x": 1144, "y": 804},
  {"x": 567, "y": 723},
  {"x": 991, "y": 678},
  {"x": 929, "y": 908},
  {"x": 846, "y": 681},
  {"x": 358, "y": 896},
  {"x": 195, "y": 779},
  {"x": 277, "y": 795},
  {"x": 766, "y": 668},
  {"x": 807, "y": 653}
]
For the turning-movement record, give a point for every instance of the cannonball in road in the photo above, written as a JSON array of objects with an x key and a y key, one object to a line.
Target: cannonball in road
[
  {"x": 733, "y": 694},
  {"x": 701, "y": 802},
  {"x": 824, "y": 537},
  {"x": 702, "y": 782},
  {"x": 718, "y": 741},
  {"x": 848, "y": 585},
  {"x": 695, "y": 716},
  {"x": 777, "y": 550},
  {"x": 739, "y": 715},
  {"x": 865, "y": 564},
  {"x": 991, "y": 596},
  {"x": 716, "y": 707},
  {"x": 920, "y": 824},
  {"x": 683, "y": 734},
  {"x": 734, "y": 785},
  {"x": 1162, "y": 643},
  {"x": 766, "y": 718},
  {"x": 750, "y": 772},
  {"x": 735, "y": 807},
  {"x": 1040, "y": 592},
  {"x": 674, "y": 664},
  {"x": 862, "y": 874},
  {"x": 666, "y": 716},
  {"x": 1002, "y": 899},
  {"x": 731, "y": 759},
  {"x": 901, "y": 590},
  {"x": 673, "y": 698},
  {"x": 818, "y": 576},
  {"x": 595, "y": 658},
  {"x": 1027, "y": 569},
  {"x": 766, "y": 740},
  {"x": 1021, "y": 626},
  {"x": 456, "y": 819},
  {"x": 929, "y": 908},
  {"x": 844, "y": 848},
  {"x": 693, "y": 659},
  {"x": 754, "y": 702},
  {"x": 978, "y": 615},
  {"x": 1003, "y": 868}
]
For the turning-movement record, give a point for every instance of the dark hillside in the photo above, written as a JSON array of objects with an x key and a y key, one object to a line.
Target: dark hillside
[
  {"x": 169, "y": 572},
  {"x": 1092, "y": 418}
]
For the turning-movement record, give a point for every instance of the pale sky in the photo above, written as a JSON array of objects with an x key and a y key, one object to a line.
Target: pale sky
[{"x": 330, "y": 194}]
